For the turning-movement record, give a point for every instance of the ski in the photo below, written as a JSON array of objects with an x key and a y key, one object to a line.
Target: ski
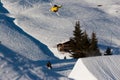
[
  {"x": 51, "y": 4},
  {"x": 57, "y": 14}
]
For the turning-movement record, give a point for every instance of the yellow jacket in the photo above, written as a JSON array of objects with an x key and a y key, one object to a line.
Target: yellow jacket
[{"x": 55, "y": 8}]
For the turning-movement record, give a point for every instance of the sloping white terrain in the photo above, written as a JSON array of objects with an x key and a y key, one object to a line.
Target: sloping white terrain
[
  {"x": 97, "y": 68},
  {"x": 80, "y": 72},
  {"x": 29, "y": 33},
  {"x": 15, "y": 39},
  {"x": 34, "y": 17}
]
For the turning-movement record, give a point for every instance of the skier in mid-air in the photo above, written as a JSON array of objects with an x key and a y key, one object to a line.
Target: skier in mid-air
[{"x": 55, "y": 8}]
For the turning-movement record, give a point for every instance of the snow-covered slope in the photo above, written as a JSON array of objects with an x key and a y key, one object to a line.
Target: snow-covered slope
[
  {"x": 22, "y": 57},
  {"x": 14, "y": 38},
  {"x": 29, "y": 33},
  {"x": 97, "y": 68},
  {"x": 34, "y": 17}
]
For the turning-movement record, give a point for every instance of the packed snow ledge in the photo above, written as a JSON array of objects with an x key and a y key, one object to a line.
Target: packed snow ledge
[{"x": 97, "y": 68}]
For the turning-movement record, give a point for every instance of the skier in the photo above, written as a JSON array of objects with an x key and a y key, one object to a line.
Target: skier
[
  {"x": 49, "y": 66},
  {"x": 55, "y": 8},
  {"x": 108, "y": 51}
]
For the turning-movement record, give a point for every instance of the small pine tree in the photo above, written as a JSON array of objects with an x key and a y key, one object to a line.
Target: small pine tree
[
  {"x": 93, "y": 42},
  {"x": 77, "y": 42},
  {"x": 78, "y": 34},
  {"x": 86, "y": 41},
  {"x": 93, "y": 48}
]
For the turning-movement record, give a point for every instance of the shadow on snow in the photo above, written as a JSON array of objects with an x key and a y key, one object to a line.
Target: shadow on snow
[{"x": 9, "y": 21}]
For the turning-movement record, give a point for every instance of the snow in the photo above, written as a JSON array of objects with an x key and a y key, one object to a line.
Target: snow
[
  {"x": 97, "y": 68},
  {"x": 80, "y": 72},
  {"x": 29, "y": 33}
]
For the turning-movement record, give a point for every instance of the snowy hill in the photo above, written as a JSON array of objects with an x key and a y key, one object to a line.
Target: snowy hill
[
  {"x": 35, "y": 18},
  {"x": 29, "y": 33},
  {"x": 19, "y": 41}
]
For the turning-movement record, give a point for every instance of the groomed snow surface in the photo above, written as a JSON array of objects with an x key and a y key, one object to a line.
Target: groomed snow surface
[
  {"x": 97, "y": 68},
  {"x": 29, "y": 33},
  {"x": 80, "y": 72}
]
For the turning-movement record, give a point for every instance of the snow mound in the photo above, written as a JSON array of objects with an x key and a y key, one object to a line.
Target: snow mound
[{"x": 97, "y": 68}]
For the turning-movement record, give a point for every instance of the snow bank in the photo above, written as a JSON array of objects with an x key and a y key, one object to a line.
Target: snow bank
[
  {"x": 80, "y": 72},
  {"x": 97, "y": 68}
]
